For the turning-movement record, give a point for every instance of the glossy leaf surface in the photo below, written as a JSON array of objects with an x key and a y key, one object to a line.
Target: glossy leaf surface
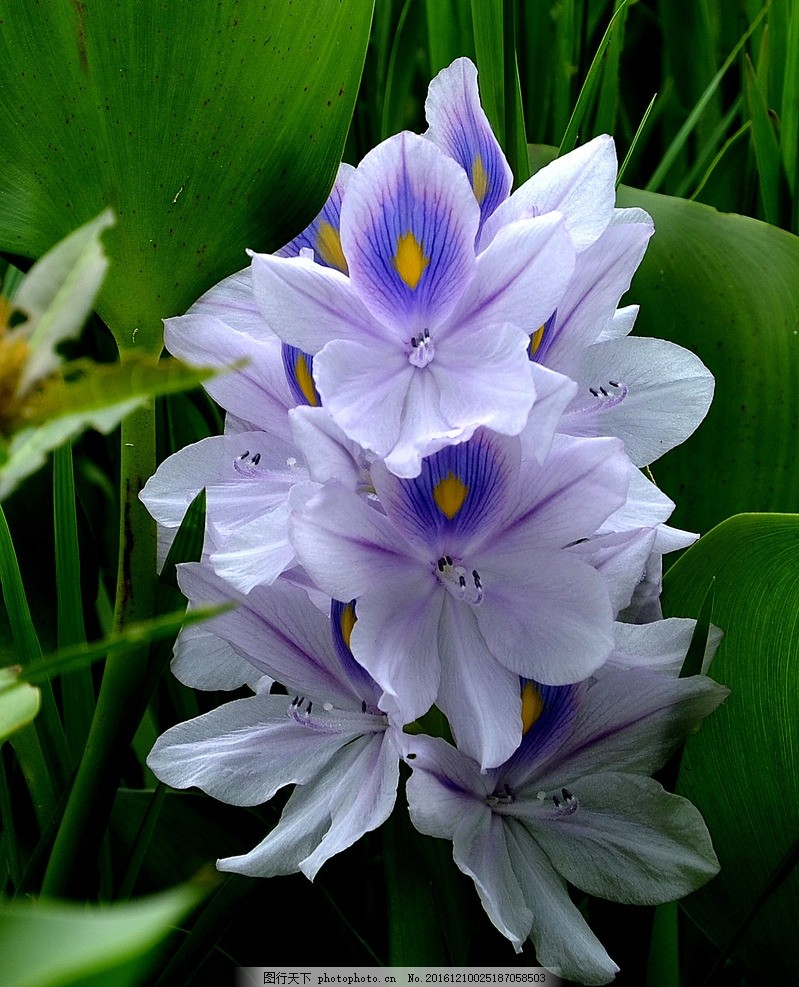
[
  {"x": 208, "y": 128},
  {"x": 742, "y": 769}
]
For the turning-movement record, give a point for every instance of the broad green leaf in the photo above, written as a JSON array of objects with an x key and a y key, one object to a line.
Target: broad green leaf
[
  {"x": 86, "y": 395},
  {"x": 19, "y": 702},
  {"x": 49, "y": 944},
  {"x": 726, "y": 287},
  {"x": 207, "y": 127},
  {"x": 742, "y": 769}
]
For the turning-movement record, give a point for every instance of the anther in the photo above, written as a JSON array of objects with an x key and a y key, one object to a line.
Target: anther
[
  {"x": 594, "y": 391},
  {"x": 256, "y": 459}
]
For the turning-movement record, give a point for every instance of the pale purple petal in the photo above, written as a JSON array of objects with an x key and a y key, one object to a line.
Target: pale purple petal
[
  {"x": 628, "y": 841},
  {"x": 581, "y": 185},
  {"x": 568, "y": 496},
  {"x": 408, "y": 224},
  {"x": 550, "y": 619},
  {"x": 327, "y": 450},
  {"x": 621, "y": 559},
  {"x": 520, "y": 277},
  {"x": 307, "y": 305},
  {"x": 349, "y": 548},
  {"x": 278, "y": 630},
  {"x": 667, "y": 391},
  {"x": 244, "y": 751},
  {"x": 364, "y": 388},
  {"x": 660, "y": 645},
  {"x": 257, "y": 391},
  {"x": 602, "y": 274},
  {"x": 563, "y": 941},
  {"x": 485, "y": 379},
  {"x": 460, "y": 127},
  {"x": 486, "y": 721},
  {"x": 396, "y": 640},
  {"x": 553, "y": 394},
  {"x": 204, "y": 661}
]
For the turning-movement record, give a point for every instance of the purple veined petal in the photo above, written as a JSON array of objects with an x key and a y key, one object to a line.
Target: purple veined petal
[
  {"x": 361, "y": 802},
  {"x": 342, "y": 621},
  {"x": 486, "y": 379},
  {"x": 563, "y": 941},
  {"x": 244, "y": 751},
  {"x": 459, "y": 126},
  {"x": 463, "y": 492},
  {"x": 485, "y": 718},
  {"x": 396, "y": 640},
  {"x": 649, "y": 392},
  {"x": 298, "y": 367},
  {"x": 307, "y": 305},
  {"x": 348, "y": 548},
  {"x": 364, "y": 388},
  {"x": 327, "y": 450},
  {"x": 445, "y": 785},
  {"x": 323, "y": 235},
  {"x": 581, "y": 185},
  {"x": 204, "y": 661},
  {"x": 551, "y": 711},
  {"x": 627, "y": 840},
  {"x": 568, "y": 496},
  {"x": 545, "y": 615},
  {"x": 621, "y": 559},
  {"x": 257, "y": 392},
  {"x": 554, "y": 392},
  {"x": 408, "y": 224},
  {"x": 602, "y": 274},
  {"x": 279, "y": 631},
  {"x": 632, "y": 719},
  {"x": 306, "y": 819},
  {"x": 520, "y": 277}
]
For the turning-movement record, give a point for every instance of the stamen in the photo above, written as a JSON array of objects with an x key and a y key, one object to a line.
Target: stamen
[
  {"x": 455, "y": 579},
  {"x": 422, "y": 349},
  {"x": 601, "y": 399},
  {"x": 505, "y": 797},
  {"x": 566, "y": 804}
]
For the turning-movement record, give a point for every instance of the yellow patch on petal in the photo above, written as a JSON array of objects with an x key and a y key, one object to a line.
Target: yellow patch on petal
[
  {"x": 305, "y": 381},
  {"x": 535, "y": 340},
  {"x": 410, "y": 260},
  {"x": 347, "y": 622},
  {"x": 479, "y": 179},
  {"x": 14, "y": 354},
  {"x": 532, "y": 706},
  {"x": 449, "y": 495},
  {"x": 328, "y": 246}
]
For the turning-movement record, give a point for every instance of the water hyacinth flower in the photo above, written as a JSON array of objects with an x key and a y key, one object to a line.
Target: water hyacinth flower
[
  {"x": 327, "y": 737},
  {"x": 470, "y": 577},
  {"x": 573, "y": 804},
  {"x": 423, "y": 341},
  {"x": 649, "y": 392}
]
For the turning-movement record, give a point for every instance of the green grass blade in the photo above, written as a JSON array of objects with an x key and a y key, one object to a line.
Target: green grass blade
[
  {"x": 789, "y": 110},
  {"x": 689, "y": 126},
  {"x": 636, "y": 139},
  {"x": 48, "y": 726},
  {"x": 569, "y": 141},
  {"x": 709, "y": 152},
  {"x": 77, "y": 691},
  {"x": 449, "y": 32},
  {"x": 10, "y": 848},
  {"x": 764, "y": 143},
  {"x": 388, "y": 116},
  {"x": 141, "y": 842},
  {"x": 730, "y": 142},
  {"x": 609, "y": 94}
]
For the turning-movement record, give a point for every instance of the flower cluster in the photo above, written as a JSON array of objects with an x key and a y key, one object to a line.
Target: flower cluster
[{"x": 429, "y": 494}]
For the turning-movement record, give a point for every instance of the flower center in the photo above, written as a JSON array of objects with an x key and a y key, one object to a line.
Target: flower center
[
  {"x": 503, "y": 796},
  {"x": 422, "y": 349},
  {"x": 459, "y": 581}
]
